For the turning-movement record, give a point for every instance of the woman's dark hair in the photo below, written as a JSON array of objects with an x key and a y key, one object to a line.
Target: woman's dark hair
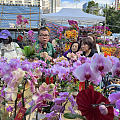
[
  {"x": 94, "y": 40},
  {"x": 10, "y": 39},
  {"x": 88, "y": 41},
  {"x": 72, "y": 45},
  {"x": 6, "y": 41}
]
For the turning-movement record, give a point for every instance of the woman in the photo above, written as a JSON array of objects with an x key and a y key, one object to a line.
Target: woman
[
  {"x": 74, "y": 48},
  {"x": 87, "y": 47},
  {"x": 9, "y": 49}
]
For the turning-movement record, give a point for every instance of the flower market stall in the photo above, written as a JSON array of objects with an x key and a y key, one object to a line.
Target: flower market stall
[
  {"x": 58, "y": 88},
  {"x": 111, "y": 50},
  {"x": 66, "y": 14},
  {"x": 51, "y": 89}
]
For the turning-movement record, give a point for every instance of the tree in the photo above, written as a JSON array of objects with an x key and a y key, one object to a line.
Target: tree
[
  {"x": 92, "y": 8},
  {"x": 112, "y": 19}
]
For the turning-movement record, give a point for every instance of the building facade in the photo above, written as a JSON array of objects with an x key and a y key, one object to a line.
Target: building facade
[
  {"x": 48, "y": 6},
  {"x": 117, "y": 4}
]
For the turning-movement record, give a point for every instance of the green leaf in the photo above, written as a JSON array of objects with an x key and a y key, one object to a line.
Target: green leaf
[
  {"x": 70, "y": 116},
  {"x": 73, "y": 116},
  {"x": 28, "y": 111},
  {"x": 27, "y": 50}
]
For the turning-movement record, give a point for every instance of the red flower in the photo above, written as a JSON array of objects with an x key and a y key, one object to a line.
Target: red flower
[{"x": 86, "y": 98}]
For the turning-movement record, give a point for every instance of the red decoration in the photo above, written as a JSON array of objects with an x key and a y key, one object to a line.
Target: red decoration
[
  {"x": 47, "y": 80},
  {"x": 19, "y": 38},
  {"x": 20, "y": 114},
  {"x": 19, "y": 96},
  {"x": 51, "y": 79},
  {"x": 86, "y": 98},
  {"x": 82, "y": 86}
]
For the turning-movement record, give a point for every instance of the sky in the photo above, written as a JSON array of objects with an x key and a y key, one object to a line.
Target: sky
[{"x": 72, "y": 4}]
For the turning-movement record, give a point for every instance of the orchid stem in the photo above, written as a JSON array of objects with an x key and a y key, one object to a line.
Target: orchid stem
[
  {"x": 15, "y": 108},
  {"x": 37, "y": 115},
  {"x": 86, "y": 84},
  {"x": 23, "y": 104}
]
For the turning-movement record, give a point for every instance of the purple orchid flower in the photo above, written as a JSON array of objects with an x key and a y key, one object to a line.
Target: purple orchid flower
[
  {"x": 113, "y": 59},
  {"x": 49, "y": 116},
  {"x": 19, "y": 16},
  {"x": 116, "y": 69},
  {"x": 83, "y": 59},
  {"x": 2, "y": 92},
  {"x": 26, "y": 66},
  {"x": 71, "y": 109},
  {"x": 116, "y": 112},
  {"x": 32, "y": 103},
  {"x": 25, "y": 21},
  {"x": 56, "y": 107},
  {"x": 9, "y": 109},
  {"x": 39, "y": 105},
  {"x": 19, "y": 104},
  {"x": 7, "y": 78},
  {"x": 19, "y": 20},
  {"x": 31, "y": 35},
  {"x": 114, "y": 97},
  {"x": 64, "y": 94},
  {"x": 71, "y": 99},
  {"x": 118, "y": 104},
  {"x": 60, "y": 100},
  {"x": 63, "y": 72},
  {"x": 32, "y": 86},
  {"x": 14, "y": 63}
]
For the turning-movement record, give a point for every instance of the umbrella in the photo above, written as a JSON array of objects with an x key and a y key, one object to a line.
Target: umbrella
[{"x": 86, "y": 98}]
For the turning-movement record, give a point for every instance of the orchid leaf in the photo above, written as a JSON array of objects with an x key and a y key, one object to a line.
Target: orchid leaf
[
  {"x": 28, "y": 111},
  {"x": 73, "y": 116}
]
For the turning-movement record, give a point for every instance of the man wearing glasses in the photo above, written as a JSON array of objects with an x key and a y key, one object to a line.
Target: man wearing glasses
[{"x": 43, "y": 43}]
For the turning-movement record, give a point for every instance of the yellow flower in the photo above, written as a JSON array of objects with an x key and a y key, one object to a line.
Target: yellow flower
[{"x": 67, "y": 46}]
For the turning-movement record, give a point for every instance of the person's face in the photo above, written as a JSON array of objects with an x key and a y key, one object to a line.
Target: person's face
[
  {"x": 74, "y": 47},
  {"x": 84, "y": 47},
  {"x": 43, "y": 37}
]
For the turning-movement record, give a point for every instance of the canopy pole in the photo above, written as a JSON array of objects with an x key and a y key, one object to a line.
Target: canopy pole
[
  {"x": 1, "y": 16},
  {"x": 39, "y": 16},
  {"x": 30, "y": 17},
  {"x": 105, "y": 24}
]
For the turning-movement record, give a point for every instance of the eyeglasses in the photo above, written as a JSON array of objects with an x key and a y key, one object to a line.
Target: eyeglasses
[{"x": 45, "y": 35}]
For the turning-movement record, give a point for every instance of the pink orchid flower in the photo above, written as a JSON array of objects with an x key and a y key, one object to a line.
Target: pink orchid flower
[
  {"x": 116, "y": 69},
  {"x": 84, "y": 72},
  {"x": 100, "y": 64}
]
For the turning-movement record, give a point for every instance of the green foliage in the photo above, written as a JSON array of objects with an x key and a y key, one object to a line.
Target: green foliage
[
  {"x": 112, "y": 19},
  {"x": 73, "y": 116},
  {"x": 29, "y": 51},
  {"x": 28, "y": 111},
  {"x": 116, "y": 118},
  {"x": 47, "y": 109},
  {"x": 92, "y": 8}
]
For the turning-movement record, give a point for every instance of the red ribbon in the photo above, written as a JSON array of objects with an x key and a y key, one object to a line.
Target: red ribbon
[
  {"x": 51, "y": 79},
  {"x": 47, "y": 80},
  {"x": 20, "y": 114}
]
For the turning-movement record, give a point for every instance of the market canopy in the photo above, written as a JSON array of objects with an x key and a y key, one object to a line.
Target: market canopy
[{"x": 77, "y": 14}]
